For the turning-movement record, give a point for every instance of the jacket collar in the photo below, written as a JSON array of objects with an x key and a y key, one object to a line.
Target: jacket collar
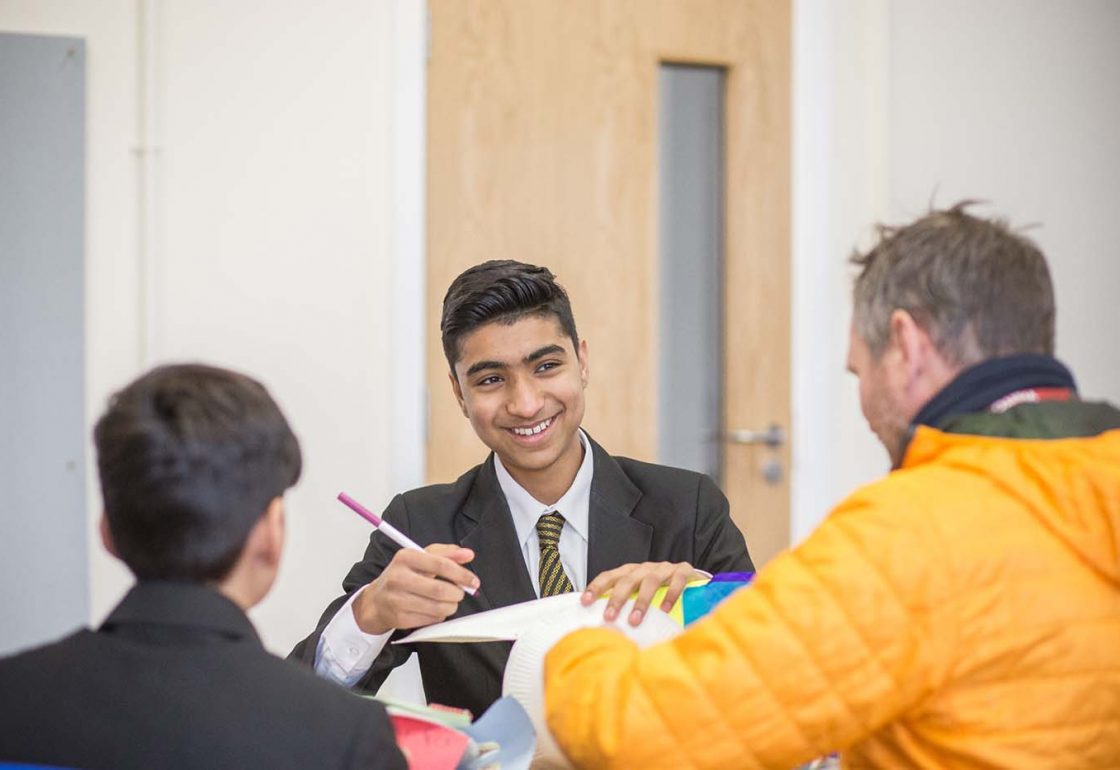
[
  {"x": 184, "y": 605},
  {"x": 976, "y": 388},
  {"x": 614, "y": 537},
  {"x": 493, "y": 538}
]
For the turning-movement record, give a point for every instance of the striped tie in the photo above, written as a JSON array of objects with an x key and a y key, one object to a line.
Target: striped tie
[{"x": 552, "y": 577}]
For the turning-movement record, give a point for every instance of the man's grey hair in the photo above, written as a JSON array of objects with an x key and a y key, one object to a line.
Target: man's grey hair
[{"x": 979, "y": 289}]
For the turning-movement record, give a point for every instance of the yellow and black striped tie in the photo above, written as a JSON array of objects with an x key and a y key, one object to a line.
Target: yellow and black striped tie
[{"x": 553, "y": 579}]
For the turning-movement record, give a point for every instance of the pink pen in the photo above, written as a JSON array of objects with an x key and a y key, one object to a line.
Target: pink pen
[{"x": 394, "y": 534}]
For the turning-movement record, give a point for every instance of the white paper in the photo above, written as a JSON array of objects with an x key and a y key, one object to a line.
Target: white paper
[
  {"x": 524, "y": 675},
  {"x": 502, "y": 624},
  {"x": 534, "y": 627},
  {"x": 506, "y": 724}
]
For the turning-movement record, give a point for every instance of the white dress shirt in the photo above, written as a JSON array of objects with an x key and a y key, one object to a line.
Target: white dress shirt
[
  {"x": 346, "y": 652},
  {"x": 573, "y": 506}
]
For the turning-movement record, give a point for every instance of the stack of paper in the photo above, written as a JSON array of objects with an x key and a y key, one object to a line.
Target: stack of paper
[
  {"x": 534, "y": 627},
  {"x": 437, "y": 738}
]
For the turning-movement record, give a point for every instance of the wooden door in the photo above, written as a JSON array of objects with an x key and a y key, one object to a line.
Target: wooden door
[{"x": 542, "y": 147}]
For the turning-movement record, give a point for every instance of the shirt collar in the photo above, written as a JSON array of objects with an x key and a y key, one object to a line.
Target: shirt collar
[{"x": 573, "y": 506}]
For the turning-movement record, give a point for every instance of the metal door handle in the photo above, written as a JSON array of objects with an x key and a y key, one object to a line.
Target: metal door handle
[{"x": 774, "y": 436}]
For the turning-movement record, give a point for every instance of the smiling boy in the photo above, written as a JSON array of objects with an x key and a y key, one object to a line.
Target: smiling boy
[{"x": 548, "y": 512}]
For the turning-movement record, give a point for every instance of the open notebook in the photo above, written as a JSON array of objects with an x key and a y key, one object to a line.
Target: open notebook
[{"x": 534, "y": 627}]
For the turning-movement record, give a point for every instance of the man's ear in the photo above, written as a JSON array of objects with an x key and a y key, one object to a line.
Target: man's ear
[
  {"x": 457, "y": 389},
  {"x": 584, "y": 368},
  {"x": 912, "y": 344},
  {"x": 266, "y": 539},
  {"x": 275, "y": 528},
  {"x": 107, "y": 536}
]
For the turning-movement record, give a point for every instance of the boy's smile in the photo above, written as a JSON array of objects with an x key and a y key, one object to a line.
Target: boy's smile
[{"x": 521, "y": 385}]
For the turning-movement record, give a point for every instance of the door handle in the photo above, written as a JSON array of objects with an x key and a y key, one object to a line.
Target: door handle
[{"x": 774, "y": 436}]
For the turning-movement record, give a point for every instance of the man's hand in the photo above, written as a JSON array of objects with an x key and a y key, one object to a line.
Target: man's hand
[
  {"x": 645, "y": 578},
  {"x": 414, "y": 589}
]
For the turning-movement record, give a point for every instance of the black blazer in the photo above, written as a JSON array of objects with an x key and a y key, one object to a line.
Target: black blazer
[
  {"x": 638, "y": 512},
  {"x": 176, "y": 678}
]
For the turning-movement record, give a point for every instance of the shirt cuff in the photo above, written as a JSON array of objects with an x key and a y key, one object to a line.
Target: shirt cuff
[{"x": 345, "y": 652}]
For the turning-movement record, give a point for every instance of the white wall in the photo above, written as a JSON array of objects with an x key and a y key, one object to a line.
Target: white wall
[
  {"x": 1018, "y": 102},
  {"x": 284, "y": 239},
  {"x": 839, "y": 168},
  {"x": 902, "y": 102}
]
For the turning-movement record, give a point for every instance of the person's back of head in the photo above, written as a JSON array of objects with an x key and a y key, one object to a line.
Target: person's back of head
[
  {"x": 939, "y": 295},
  {"x": 978, "y": 288},
  {"x": 501, "y": 291},
  {"x": 193, "y": 461},
  {"x": 190, "y": 458}
]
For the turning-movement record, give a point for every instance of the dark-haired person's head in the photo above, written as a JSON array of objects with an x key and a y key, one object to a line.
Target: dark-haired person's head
[
  {"x": 936, "y": 296},
  {"x": 501, "y": 291},
  {"x": 193, "y": 462},
  {"x": 518, "y": 369}
]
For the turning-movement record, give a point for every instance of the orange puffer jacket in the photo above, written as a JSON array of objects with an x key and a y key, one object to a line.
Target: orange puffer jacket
[{"x": 963, "y": 612}]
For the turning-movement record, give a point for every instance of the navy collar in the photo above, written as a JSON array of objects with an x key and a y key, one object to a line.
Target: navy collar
[{"x": 978, "y": 387}]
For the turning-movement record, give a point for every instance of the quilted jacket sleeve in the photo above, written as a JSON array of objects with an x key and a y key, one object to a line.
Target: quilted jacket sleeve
[{"x": 832, "y": 640}]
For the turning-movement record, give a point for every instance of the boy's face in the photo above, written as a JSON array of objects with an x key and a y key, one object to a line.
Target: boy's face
[{"x": 521, "y": 386}]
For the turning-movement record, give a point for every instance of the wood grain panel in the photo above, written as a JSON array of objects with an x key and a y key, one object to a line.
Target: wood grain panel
[{"x": 542, "y": 126}]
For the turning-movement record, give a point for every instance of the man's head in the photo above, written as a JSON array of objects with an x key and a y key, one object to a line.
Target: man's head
[
  {"x": 193, "y": 461},
  {"x": 518, "y": 368},
  {"x": 934, "y": 297}
]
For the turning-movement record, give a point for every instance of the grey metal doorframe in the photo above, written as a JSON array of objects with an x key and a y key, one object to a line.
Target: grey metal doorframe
[{"x": 44, "y": 562}]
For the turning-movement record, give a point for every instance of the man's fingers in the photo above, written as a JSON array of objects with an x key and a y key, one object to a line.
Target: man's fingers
[
  {"x": 456, "y": 553},
  {"x": 410, "y": 583},
  {"x": 432, "y": 563},
  {"x": 412, "y": 610},
  {"x": 677, "y": 584},
  {"x": 603, "y": 582},
  {"x": 402, "y": 598},
  {"x": 418, "y": 605},
  {"x": 653, "y": 579},
  {"x": 460, "y": 576},
  {"x": 620, "y": 593},
  {"x": 644, "y": 580},
  {"x": 418, "y": 619}
]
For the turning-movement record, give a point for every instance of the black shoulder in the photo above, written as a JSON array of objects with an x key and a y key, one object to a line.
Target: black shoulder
[
  {"x": 442, "y": 495},
  {"x": 663, "y": 480},
  {"x": 321, "y": 702},
  {"x": 432, "y": 514},
  {"x": 290, "y": 695},
  {"x": 45, "y": 657}
]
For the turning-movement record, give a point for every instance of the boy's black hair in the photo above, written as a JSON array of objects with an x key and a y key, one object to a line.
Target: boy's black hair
[
  {"x": 190, "y": 456},
  {"x": 501, "y": 291}
]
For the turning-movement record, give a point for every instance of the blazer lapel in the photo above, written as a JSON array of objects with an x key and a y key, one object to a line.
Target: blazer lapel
[
  {"x": 497, "y": 553},
  {"x": 614, "y": 537}
]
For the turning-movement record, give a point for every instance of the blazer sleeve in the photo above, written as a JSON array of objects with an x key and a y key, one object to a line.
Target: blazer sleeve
[
  {"x": 373, "y": 745},
  {"x": 378, "y": 554},
  {"x": 718, "y": 544},
  {"x": 834, "y": 639}
]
